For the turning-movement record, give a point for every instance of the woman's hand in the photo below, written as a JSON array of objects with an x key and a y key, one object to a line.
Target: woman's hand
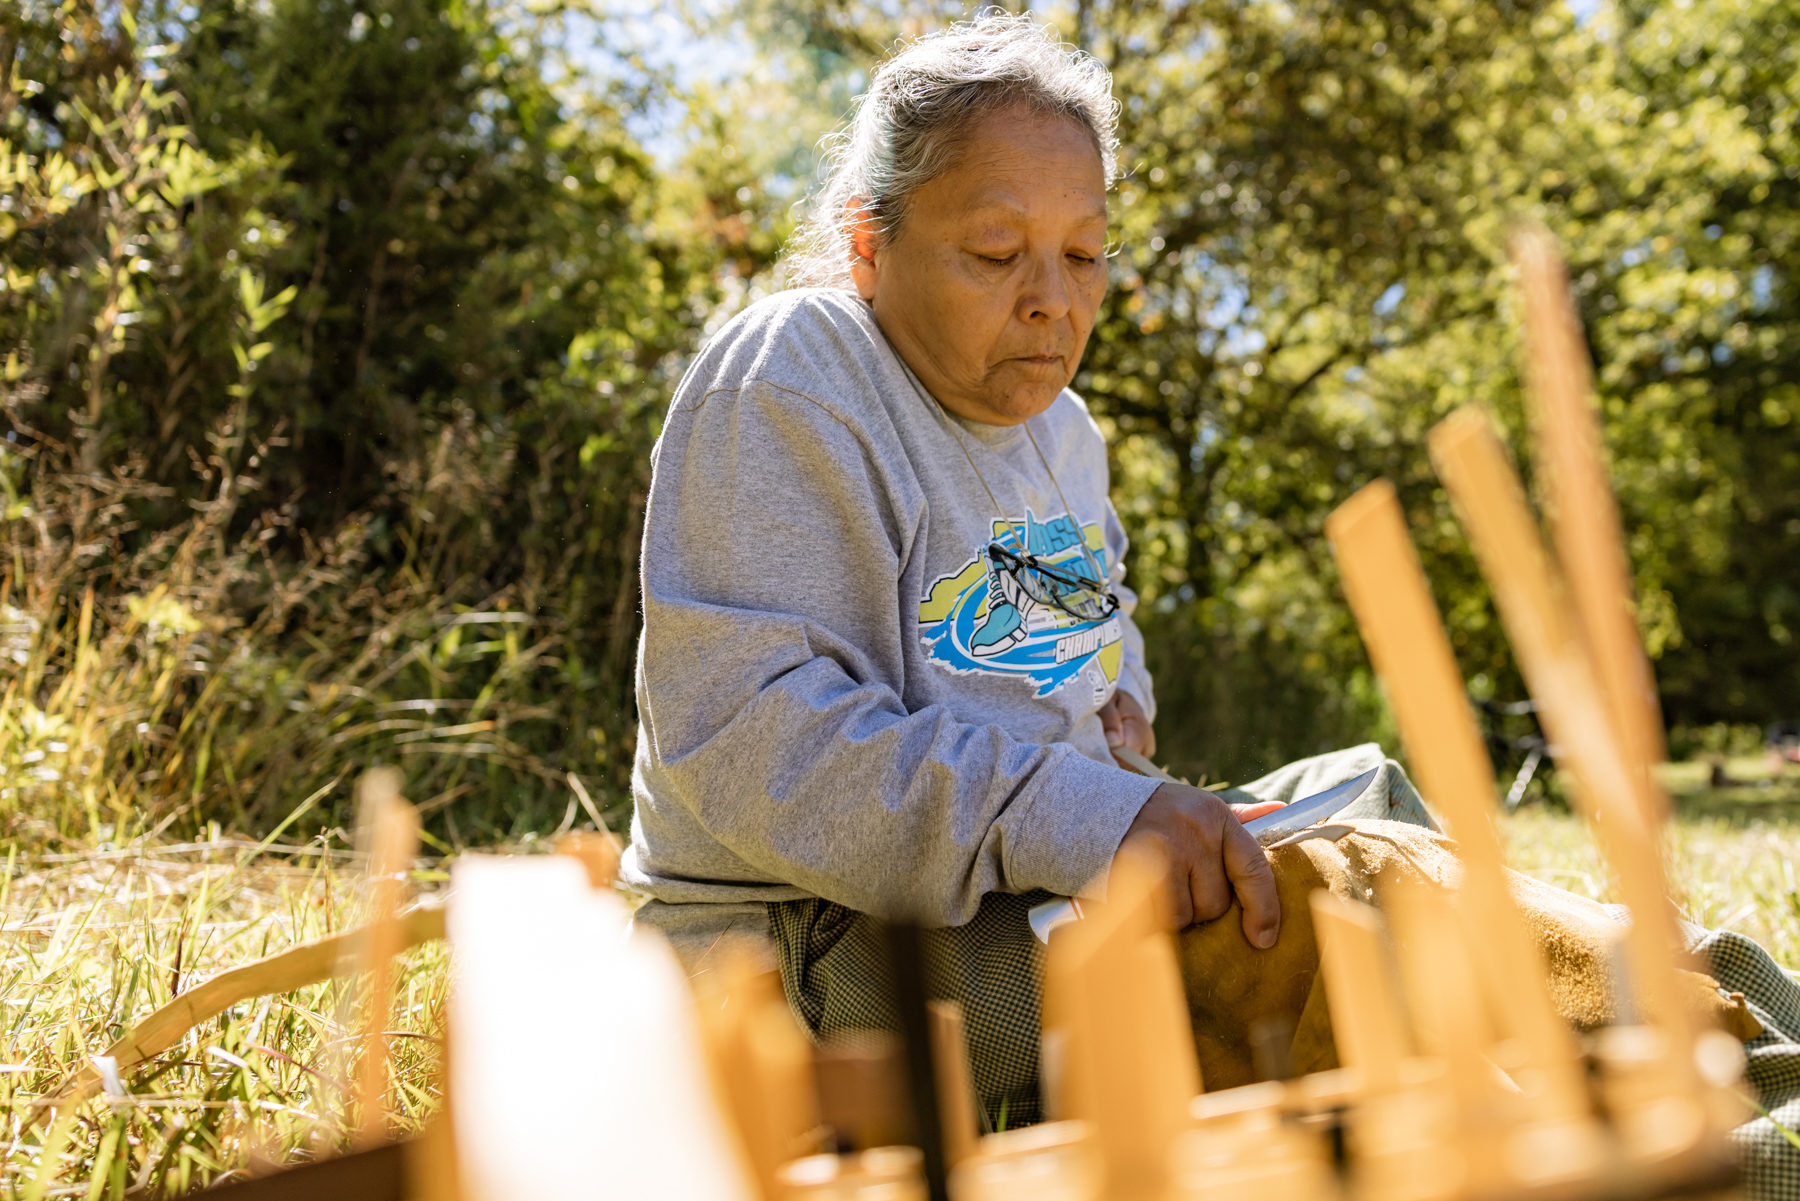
[
  {"x": 1125, "y": 724},
  {"x": 1210, "y": 857}
]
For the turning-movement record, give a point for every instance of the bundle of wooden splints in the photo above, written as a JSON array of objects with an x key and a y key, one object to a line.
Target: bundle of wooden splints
[{"x": 581, "y": 1063}]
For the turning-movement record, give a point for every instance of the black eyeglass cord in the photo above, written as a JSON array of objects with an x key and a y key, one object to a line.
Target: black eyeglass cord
[{"x": 1087, "y": 552}]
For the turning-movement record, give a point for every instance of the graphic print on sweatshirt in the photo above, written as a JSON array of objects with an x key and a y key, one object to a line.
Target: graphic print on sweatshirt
[{"x": 979, "y": 619}]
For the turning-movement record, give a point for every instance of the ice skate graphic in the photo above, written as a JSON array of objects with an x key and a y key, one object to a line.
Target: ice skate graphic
[
  {"x": 983, "y": 619},
  {"x": 1008, "y": 607}
]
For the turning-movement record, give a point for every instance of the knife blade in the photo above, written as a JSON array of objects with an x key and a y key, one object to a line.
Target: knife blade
[
  {"x": 1296, "y": 816},
  {"x": 1270, "y": 828}
]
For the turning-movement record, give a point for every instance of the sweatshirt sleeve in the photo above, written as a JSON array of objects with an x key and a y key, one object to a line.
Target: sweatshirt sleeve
[{"x": 773, "y": 552}]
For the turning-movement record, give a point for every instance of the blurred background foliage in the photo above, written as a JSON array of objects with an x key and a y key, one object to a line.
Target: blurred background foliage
[{"x": 336, "y": 334}]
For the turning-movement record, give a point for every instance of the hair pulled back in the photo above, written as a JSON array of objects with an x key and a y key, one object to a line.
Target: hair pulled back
[{"x": 906, "y": 129}]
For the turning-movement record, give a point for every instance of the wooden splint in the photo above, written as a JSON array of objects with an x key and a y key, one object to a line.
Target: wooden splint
[{"x": 308, "y": 963}]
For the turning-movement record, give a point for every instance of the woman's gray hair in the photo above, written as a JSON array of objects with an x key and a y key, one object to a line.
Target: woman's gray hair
[{"x": 907, "y": 127}]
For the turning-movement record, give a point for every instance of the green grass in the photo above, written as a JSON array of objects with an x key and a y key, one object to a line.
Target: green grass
[
  {"x": 1731, "y": 852},
  {"x": 95, "y": 941}
]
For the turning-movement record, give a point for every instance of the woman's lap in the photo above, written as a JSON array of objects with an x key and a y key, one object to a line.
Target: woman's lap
[
  {"x": 836, "y": 977},
  {"x": 834, "y": 969}
]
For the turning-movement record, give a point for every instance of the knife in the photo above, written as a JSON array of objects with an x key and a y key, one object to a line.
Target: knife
[
  {"x": 1296, "y": 816},
  {"x": 1268, "y": 830}
]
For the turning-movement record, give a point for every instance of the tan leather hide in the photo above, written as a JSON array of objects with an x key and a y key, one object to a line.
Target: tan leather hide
[{"x": 1232, "y": 987}]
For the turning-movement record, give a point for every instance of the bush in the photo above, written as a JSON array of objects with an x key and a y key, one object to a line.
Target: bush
[{"x": 335, "y": 340}]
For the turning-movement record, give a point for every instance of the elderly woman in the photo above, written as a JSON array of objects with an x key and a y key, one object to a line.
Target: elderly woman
[{"x": 887, "y": 645}]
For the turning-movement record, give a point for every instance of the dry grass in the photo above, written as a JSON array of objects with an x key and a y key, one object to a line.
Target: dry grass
[{"x": 98, "y": 940}]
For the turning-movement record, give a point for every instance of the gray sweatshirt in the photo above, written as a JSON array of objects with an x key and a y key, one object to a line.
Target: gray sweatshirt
[{"x": 839, "y": 696}]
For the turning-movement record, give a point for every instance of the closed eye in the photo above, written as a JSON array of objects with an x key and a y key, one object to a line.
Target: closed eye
[{"x": 998, "y": 262}]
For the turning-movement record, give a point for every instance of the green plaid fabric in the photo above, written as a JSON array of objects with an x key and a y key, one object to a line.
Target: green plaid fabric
[
  {"x": 834, "y": 970},
  {"x": 1766, "y": 1147},
  {"x": 1770, "y": 1156}
]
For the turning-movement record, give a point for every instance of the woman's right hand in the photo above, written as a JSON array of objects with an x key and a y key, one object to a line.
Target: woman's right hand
[{"x": 1210, "y": 857}]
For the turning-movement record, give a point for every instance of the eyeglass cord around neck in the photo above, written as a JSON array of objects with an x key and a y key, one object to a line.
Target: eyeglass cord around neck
[{"x": 957, "y": 436}]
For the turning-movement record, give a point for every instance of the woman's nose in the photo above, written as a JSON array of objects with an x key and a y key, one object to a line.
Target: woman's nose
[{"x": 1047, "y": 295}]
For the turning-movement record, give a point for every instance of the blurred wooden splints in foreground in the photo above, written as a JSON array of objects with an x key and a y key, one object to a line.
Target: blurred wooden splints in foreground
[
  {"x": 297, "y": 967},
  {"x": 1411, "y": 653},
  {"x": 1116, "y": 1032},
  {"x": 391, "y": 828},
  {"x": 1584, "y": 514},
  {"x": 1613, "y": 791},
  {"x": 1481, "y": 1091}
]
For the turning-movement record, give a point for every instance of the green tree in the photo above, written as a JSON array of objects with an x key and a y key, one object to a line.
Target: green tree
[
  {"x": 1311, "y": 272},
  {"x": 396, "y": 317},
  {"x": 1692, "y": 299},
  {"x": 1307, "y": 280}
]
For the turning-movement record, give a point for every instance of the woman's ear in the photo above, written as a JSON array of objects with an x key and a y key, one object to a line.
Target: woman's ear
[{"x": 859, "y": 224}]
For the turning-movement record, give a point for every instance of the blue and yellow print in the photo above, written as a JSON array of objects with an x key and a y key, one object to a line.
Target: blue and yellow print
[{"x": 978, "y": 619}]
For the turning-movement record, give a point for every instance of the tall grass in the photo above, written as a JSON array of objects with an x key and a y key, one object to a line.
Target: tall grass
[
  {"x": 207, "y": 614},
  {"x": 97, "y": 941},
  {"x": 156, "y": 687}
]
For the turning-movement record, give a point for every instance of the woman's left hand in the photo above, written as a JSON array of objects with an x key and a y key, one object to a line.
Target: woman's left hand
[{"x": 1125, "y": 724}]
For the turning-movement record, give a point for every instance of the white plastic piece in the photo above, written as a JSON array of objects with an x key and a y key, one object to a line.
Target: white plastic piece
[
  {"x": 1050, "y": 914},
  {"x": 576, "y": 1068}
]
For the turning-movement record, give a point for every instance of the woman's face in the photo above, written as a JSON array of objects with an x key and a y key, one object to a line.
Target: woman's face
[{"x": 990, "y": 290}]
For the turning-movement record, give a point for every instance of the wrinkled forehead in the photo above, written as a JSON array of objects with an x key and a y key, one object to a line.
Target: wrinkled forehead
[
  {"x": 1000, "y": 204},
  {"x": 1015, "y": 166}
]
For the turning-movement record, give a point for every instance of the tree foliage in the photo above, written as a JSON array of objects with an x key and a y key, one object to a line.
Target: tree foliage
[
  {"x": 1311, "y": 272},
  {"x": 396, "y": 317},
  {"x": 350, "y": 323}
]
